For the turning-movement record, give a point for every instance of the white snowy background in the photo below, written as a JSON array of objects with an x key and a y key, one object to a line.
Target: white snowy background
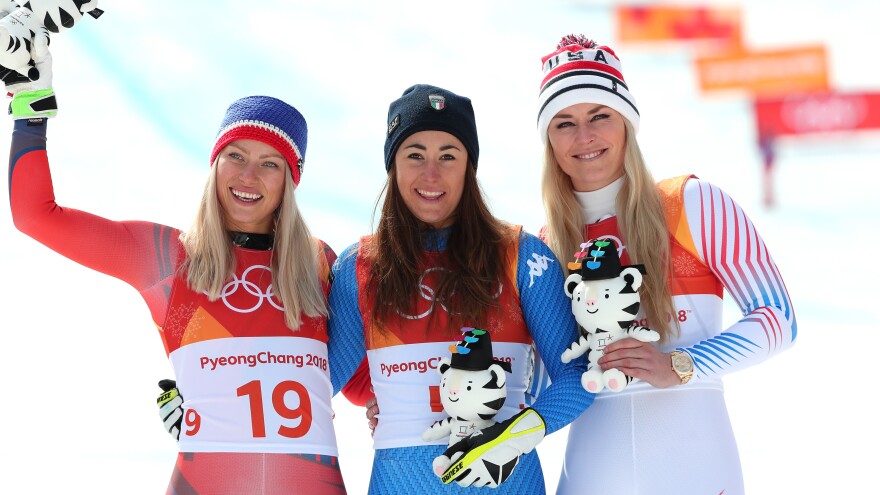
[{"x": 141, "y": 93}]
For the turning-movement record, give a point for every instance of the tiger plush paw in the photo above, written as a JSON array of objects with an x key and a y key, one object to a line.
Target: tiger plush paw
[
  {"x": 440, "y": 429},
  {"x": 592, "y": 381},
  {"x": 442, "y": 462},
  {"x": 643, "y": 334},
  {"x": 614, "y": 379}
]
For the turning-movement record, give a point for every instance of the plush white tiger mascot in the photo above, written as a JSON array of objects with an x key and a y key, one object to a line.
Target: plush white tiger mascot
[
  {"x": 22, "y": 37},
  {"x": 28, "y": 22},
  {"x": 605, "y": 301},
  {"x": 473, "y": 387},
  {"x": 25, "y": 62}
]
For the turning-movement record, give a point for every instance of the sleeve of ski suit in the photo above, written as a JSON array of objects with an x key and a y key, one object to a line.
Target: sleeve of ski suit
[
  {"x": 727, "y": 241},
  {"x": 139, "y": 253},
  {"x": 547, "y": 311},
  {"x": 346, "y": 348}
]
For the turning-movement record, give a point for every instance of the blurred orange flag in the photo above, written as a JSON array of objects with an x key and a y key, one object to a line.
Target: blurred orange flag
[
  {"x": 766, "y": 72},
  {"x": 650, "y": 23}
]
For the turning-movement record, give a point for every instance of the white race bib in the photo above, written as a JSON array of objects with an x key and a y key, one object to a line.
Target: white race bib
[{"x": 255, "y": 394}]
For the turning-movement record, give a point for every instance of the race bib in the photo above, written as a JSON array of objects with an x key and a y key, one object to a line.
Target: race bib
[{"x": 255, "y": 394}]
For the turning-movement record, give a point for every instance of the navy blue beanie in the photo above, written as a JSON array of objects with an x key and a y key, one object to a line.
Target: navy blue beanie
[{"x": 428, "y": 108}]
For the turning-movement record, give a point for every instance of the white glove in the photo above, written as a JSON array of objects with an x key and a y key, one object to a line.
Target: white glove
[
  {"x": 32, "y": 99},
  {"x": 488, "y": 457},
  {"x": 23, "y": 40},
  {"x": 170, "y": 407},
  {"x": 58, "y": 15}
]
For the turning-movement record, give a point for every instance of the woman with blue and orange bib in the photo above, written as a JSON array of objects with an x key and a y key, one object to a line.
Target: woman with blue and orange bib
[
  {"x": 239, "y": 299},
  {"x": 670, "y": 432},
  {"x": 440, "y": 261}
]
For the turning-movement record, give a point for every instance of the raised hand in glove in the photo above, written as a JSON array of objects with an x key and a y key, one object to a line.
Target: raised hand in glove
[
  {"x": 22, "y": 40},
  {"x": 488, "y": 457},
  {"x": 170, "y": 404},
  {"x": 32, "y": 99},
  {"x": 58, "y": 15}
]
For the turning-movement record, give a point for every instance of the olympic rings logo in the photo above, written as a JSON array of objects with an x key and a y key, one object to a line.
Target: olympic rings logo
[
  {"x": 426, "y": 292},
  {"x": 251, "y": 288}
]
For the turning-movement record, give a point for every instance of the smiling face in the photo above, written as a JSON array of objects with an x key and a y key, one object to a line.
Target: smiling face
[
  {"x": 430, "y": 169},
  {"x": 250, "y": 184},
  {"x": 604, "y": 303},
  {"x": 472, "y": 395},
  {"x": 588, "y": 142}
]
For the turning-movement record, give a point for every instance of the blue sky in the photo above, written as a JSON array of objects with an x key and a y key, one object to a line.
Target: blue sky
[{"x": 142, "y": 91}]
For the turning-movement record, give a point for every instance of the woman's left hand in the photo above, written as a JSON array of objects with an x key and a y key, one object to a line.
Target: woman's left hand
[
  {"x": 641, "y": 360},
  {"x": 372, "y": 411}
]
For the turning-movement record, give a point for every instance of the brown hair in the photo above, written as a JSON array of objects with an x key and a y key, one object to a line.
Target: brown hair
[{"x": 473, "y": 249}]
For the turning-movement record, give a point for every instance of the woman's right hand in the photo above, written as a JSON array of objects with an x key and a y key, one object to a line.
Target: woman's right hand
[
  {"x": 372, "y": 412},
  {"x": 170, "y": 405},
  {"x": 641, "y": 360}
]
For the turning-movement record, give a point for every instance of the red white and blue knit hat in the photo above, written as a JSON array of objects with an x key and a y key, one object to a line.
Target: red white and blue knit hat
[
  {"x": 268, "y": 120},
  {"x": 582, "y": 71}
]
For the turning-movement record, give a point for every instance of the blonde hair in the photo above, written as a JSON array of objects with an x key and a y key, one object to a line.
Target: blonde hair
[
  {"x": 210, "y": 259},
  {"x": 640, "y": 219}
]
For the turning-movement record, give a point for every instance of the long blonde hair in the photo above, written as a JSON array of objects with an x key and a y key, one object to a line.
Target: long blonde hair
[
  {"x": 210, "y": 258},
  {"x": 640, "y": 218}
]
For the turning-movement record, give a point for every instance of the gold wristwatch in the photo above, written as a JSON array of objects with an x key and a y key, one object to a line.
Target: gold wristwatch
[{"x": 682, "y": 365}]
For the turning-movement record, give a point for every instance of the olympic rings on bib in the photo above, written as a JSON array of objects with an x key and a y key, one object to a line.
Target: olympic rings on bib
[
  {"x": 426, "y": 292},
  {"x": 251, "y": 288}
]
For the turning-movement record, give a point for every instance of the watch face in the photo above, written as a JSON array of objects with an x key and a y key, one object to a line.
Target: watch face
[{"x": 681, "y": 363}]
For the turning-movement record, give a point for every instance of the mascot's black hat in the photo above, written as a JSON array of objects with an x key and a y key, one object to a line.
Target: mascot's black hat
[
  {"x": 474, "y": 352},
  {"x": 598, "y": 259}
]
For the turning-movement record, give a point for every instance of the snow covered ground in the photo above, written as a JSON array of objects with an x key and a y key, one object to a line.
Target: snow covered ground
[{"x": 141, "y": 93}]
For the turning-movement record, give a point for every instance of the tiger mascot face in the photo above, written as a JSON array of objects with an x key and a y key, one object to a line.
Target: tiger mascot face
[
  {"x": 472, "y": 395},
  {"x": 608, "y": 304}
]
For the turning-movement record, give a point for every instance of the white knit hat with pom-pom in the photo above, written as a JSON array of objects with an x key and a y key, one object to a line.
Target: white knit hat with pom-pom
[{"x": 582, "y": 71}]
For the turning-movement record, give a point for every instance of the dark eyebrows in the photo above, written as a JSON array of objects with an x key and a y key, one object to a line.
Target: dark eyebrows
[{"x": 425, "y": 148}]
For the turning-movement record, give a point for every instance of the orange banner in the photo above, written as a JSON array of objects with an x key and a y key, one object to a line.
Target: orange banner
[
  {"x": 769, "y": 72},
  {"x": 675, "y": 23}
]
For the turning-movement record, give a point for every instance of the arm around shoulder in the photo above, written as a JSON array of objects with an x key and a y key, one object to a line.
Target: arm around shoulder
[{"x": 345, "y": 327}]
